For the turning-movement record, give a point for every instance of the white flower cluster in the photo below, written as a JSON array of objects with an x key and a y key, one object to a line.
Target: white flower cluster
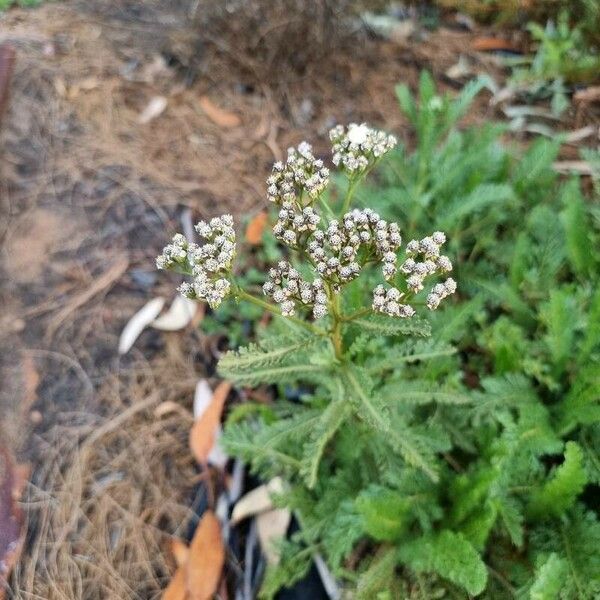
[
  {"x": 335, "y": 251},
  {"x": 207, "y": 263},
  {"x": 291, "y": 223},
  {"x": 359, "y": 146},
  {"x": 174, "y": 253},
  {"x": 434, "y": 262},
  {"x": 286, "y": 287},
  {"x": 387, "y": 302},
  {"x": 439, "y": 292},
  {"x": 301, "y": 172}
]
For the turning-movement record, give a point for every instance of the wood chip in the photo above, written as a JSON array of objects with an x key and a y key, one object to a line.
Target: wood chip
[
  {"x": 256, "y": 501},
  {"x": 573, "y": 166},
  {"x": 493, "y": 44},
  {"x": 590, "y": 94},
  {"x": 221, "y": 117},
  {"x": 272, "y": 525},
  {"x": 140, "y": 320}
]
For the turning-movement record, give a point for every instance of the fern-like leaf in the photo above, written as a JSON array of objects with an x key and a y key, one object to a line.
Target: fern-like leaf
[
  {"x": 549, "y": 578},
  {"x": 449, "y": 555},
  {"x": 382, "y": 325},
  {"x": 412, "y": 448},
  {"x": 420, "y": 392},
  {"x": 561, "y": 491},
  {"x": 329, "y": 422}
]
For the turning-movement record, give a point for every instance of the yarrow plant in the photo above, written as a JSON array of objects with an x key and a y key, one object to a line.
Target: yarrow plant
[
  {"x": 334, "y": 250},
  {"x": 414, "y": 470},
  {"x": 346, "y": 293}
]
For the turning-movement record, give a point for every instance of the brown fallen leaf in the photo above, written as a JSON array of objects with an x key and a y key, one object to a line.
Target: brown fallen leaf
[
  {"x": 11, "y": 516},
  {"x": 219, "y": 116},
  {"x": 204, "y": 431},
  {"x": 177, "y": 588},
  {"x": 491, "y": 44},
  {"x": 256, "y": 228},
  {"x": 180, "y": 552},
  {"x": 206, "y": 559}
]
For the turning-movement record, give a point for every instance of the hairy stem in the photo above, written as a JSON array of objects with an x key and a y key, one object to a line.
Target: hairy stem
[{"x": 336, "y": 334}]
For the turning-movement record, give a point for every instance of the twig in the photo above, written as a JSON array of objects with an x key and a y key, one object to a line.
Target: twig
[{"x": 106, "y": 280}]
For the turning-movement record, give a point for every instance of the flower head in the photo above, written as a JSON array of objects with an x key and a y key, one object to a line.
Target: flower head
[
  {"x": 301, "y": 172},
  {"x": 209, "y": 264},
  {"x": 359, "y": 146},
  {"x": 287, "y": 288}
]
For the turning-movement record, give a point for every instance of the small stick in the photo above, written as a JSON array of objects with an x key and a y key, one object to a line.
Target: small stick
[{"x": 7, "y": 62}]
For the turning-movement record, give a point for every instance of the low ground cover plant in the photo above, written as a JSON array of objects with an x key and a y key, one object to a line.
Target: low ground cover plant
[{"x": 436, "y": 418}]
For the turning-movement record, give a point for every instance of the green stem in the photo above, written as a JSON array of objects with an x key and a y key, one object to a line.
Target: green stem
[
  {"x": 326, "y": 207},
  {"x": 242, "y": 295},
  {"x": 356, "y": 315},
  {"x": 336, "y": 331},
  {"x": 349, "y": 193}
]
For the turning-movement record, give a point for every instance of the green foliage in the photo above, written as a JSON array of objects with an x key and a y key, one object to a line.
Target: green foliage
[
  {"x": 566, "y": 483},
  {"x": 548, "y": 578},
  {"x": 449, "y": 555},
  {"x": 459, "y": 451},
  {"x": 6, "y": 4}
]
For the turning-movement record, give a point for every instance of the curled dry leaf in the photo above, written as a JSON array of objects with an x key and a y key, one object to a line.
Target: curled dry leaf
[
  {"x": 153, "y": 109},
  {"x": 206, "y": 559},
  {"x": 256, "y": 501},
  {"x": 272, "y": 526},
  {"x": 180, "y": 313},
  {"x": 219, "y": 116},
  {"x": 169, "y": 407},
  {"x": 205, "y": 430},
  {"x": 256, "y": 228},
  {"x": 11, "y": 517},
  {"x": 138, "y": 323}
]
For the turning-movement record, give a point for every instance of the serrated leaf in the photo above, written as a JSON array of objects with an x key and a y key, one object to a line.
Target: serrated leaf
[
  {"x": 359, "y": 386},
  {"x": 561, "y": 491},
  {"x": 420, "y": 392},
  {"x": 383, "y": 325},
  {"x": 449, "y": 555},
  {"x": 385, "y": 513},
  {"x": 329, "y": 422},
  {"x": 549, "y": 578},
  {"x": 577, "y": 230},
  {"x": 379, "y": 577}
]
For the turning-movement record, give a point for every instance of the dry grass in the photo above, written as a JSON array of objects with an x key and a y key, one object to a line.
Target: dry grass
[{"x": 110, "y": 493}]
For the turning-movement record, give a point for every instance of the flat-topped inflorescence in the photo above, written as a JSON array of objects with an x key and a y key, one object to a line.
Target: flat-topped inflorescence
[
  {"x": 287, "y": 288},
  {"x": 359, "y": 147},
  {"x": 209, "y": 264},
  {"x": 301, "y": 175},
  {"x": 336, "y": 249}
]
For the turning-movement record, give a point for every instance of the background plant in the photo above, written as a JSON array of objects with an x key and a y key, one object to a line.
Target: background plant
[{"x": 527, "y": 251}]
